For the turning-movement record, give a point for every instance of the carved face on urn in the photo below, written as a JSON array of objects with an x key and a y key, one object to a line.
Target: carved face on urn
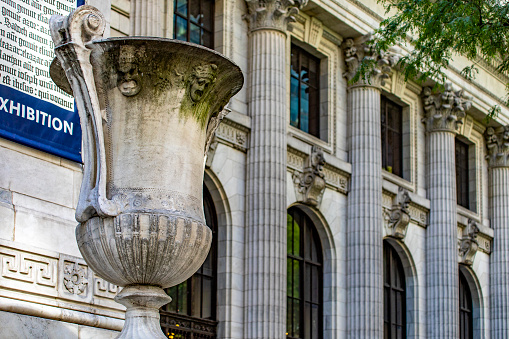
[{"x": 203, "y": 77}]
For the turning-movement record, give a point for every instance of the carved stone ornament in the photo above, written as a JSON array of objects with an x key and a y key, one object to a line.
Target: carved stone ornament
[
  {"x": 358, "y": 49},
  {"x": 497, "y": 143},
  {"x": 444, "y": 111},
  {"x": 272, "y": 14},
  {"x": 399, "y": 217},
  {"x": 310, "y": 184},
  {"x": 468, "y": 244},
  {"x": 148, "y": 108},
  {"x": 75, "y": 280}
]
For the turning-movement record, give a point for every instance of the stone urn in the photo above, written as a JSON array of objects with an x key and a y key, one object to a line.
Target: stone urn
[{"x": 148, "y": 109}]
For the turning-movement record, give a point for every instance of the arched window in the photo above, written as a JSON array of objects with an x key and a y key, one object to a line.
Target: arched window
[
  {"x": 193, "y": 21},
  {"x": 394, "y": 295},
  {"x": 304, "y": 279},
  {"x": 192, "y": 311},
  {"x": 466, "y": 319}
]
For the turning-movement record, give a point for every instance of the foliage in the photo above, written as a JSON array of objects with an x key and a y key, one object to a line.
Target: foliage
[{"x": 437, "y": 29}]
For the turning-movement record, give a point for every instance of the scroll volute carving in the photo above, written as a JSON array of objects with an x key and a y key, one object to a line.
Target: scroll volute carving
[
  {"x": 310, "y": 184},
  {"x": 445, "y": 110},
  {"x": 468, "y": 244},
  {"x": 398, "y": 218},
  {"x": 359, "y": 49},
  {"x": 497, "y": 143}
]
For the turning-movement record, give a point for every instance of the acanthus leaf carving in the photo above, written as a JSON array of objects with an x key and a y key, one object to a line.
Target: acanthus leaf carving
[
  {"x": 468, "y": 244},
  {"x": 497, "y": 143},
  {"x": 310, "y": 184},
  {"x": 445, "y": 110},
  {"x": 360, "y": 49},
  {"x": 272, "y": 14},
  {"x": 399, "y": 216}
]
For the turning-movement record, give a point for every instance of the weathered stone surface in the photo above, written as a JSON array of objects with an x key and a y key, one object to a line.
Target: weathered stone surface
[{"x": 148, "y": 111}]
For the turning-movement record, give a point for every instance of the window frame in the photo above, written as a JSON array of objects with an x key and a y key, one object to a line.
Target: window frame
[
  {"x": 391, "y": 258},
  {"x": 314, "y": 116},
  {"x": 385, "y": 129},
  {"x": 187, "y": 18},
  {"x": 307, "y": 226},
  {"x": 466, "y": 312},
  {"x": 462, "y": 171}
]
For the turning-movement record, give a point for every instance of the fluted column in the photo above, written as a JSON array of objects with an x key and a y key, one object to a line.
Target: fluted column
[
  {"x": 444, "y": 112},
  {"x": 265, "y": 275},
  {"x": 364, "y": 235},
  {"x": 498, "y": 152},
  {"x": 146, "y": 18}
]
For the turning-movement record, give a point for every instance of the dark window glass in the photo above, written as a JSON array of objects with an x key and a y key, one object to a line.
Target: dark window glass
[
  {"x": 304, "y": 279},
  {"x": 193, "y": 21},
  {"x": 394, "y": 295},
  {"x": 465, "y": 296},
  {"x": 192, "y": 311},
  {"x": 462, "y": 174},
  {"x": 304, "y": 91},
  {"x": 392, "y": 136}
]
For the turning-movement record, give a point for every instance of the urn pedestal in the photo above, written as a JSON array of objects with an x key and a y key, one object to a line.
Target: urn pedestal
[{"x": 148, "y": 108}]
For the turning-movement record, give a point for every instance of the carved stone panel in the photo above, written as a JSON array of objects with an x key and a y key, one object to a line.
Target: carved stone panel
[
  {"x": 398, "y": 218},
  {"x": 468, "y": 244},
  {"x": 310, "y": 185}
]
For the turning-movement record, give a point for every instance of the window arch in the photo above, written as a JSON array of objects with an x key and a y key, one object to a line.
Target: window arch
[
  {"x": 192, "y": 311},
  {"x": 304, "y": 278},
  {"x": 193, "y": 21},
  {"x": 466, "y": 308},
  {"x": 394, "y": 294}
]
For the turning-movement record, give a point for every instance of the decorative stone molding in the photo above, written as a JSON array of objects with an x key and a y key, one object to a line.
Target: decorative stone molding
[
  {"x": 444, "y": 111},
  {"x": 310, "y": 184},
  {"x": 334, "y": 177},
  {"x": 418, "y": 214},
  {"x": 272, "y": 14},
  {"x": 398, "y": 218},
  {"x": 75, "y": 280},
  {"x": 232, "y": 134},
  {"x": 468, "y": 244},
  {"x": 358, "y": 49},
  {"x": 314, "y": 31},
  {"x": 497, "y": 143}
]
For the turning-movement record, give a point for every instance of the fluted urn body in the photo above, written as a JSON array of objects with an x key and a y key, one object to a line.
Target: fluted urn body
[{"x": 148, "y": 109}]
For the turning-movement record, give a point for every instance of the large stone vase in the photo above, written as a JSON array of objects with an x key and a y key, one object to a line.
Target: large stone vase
[{"x": 148, "y": 109}]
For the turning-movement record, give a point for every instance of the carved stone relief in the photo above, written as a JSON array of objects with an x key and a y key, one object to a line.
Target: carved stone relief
[
  {"x": 272, "y": 14},
  {"x": 398, "y": 218},
  {"x": 468, "y": 245},
  {"x": 310, "y": 184},
  {"x": 497, "y": 143},
  {"x": 359, "y": 49},
  {"x": 445, "y": 110}
]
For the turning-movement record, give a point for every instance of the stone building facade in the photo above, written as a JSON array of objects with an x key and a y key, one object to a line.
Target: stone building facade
[{"x": 376, "y": 209}]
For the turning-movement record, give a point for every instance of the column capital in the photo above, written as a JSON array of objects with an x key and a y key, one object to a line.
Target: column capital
[
  {"x": 497, "y": 144},
  {"x": 444, "y": 111},
  {"x": 272, "y": 14},
  {"x": 358, "y": 49}
]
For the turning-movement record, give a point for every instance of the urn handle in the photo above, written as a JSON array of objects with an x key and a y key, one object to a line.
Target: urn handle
[{"x": 72, "y": 36}]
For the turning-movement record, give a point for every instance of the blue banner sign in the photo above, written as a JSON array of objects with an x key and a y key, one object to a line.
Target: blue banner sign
[{"x": 33, "y": 110}]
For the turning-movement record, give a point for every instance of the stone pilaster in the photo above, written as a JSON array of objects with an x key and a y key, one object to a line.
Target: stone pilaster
[
  {"x": 498, "y": 158},
  {"x": 444, "y": 112},
  {"x": 146, "y": 18},
  {"x": 365, "y": 230},
  {"x": 265, "y": 237}
]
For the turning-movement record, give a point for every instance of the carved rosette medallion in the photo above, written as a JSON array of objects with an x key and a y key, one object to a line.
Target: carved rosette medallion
[
  {"x": 272, "y": 14},
  {"x": 497, "y": 143},
  {"x": 444, "y": 111},
  {"x": 75, "y": 280},
  {"x": 468, "y": 244},
  {"x": 310, "y": 184},
  {"x": 358, "y": 49},
  {"x": 398, "y": 218}
]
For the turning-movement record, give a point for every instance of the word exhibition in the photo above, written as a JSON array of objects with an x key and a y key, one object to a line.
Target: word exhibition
[{"x": 33, "y": 110}]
